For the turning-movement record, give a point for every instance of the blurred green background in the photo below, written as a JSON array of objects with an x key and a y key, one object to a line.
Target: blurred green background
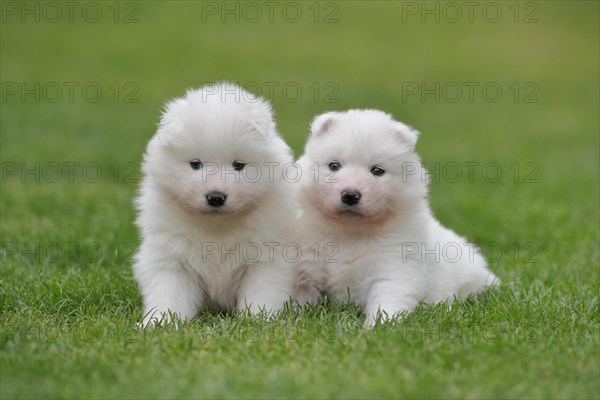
[{"x": 541, "y": 131}]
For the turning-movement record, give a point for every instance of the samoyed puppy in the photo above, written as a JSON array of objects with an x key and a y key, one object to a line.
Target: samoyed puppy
[
  {"x": 212, "y": 208},
  {"x": 363, "y": 196}
]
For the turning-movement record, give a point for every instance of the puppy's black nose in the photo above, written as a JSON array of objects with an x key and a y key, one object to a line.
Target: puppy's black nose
[
  {"x": 350, "y": 197},
  {"x": 216, "y": 199}
]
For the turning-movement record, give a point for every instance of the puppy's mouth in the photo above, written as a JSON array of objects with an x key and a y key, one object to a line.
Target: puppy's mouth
[
  {"x": 358, "y": 213},
  {"x": 208, "y": 210},
  {"x": 341, "y": 212},
  {"x": 350, "y": 212},
  {"x": 215, "y": 211},
  {"x": 225, "y": 210}
]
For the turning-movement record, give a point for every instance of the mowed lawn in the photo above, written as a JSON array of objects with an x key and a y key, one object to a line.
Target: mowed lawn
[{"x": 507, "y": 105}]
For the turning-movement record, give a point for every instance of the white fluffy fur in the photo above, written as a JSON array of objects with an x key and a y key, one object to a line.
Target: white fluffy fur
[
  {"x": 382, "y": 251},
  {"x": 192, "y": 255}
]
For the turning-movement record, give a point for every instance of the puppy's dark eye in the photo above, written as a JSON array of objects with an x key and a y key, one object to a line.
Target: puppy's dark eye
[
  {"x": 238, "y": 165},
  {"x": 377, "y": 170},
  {"x": 334, "y": 166},
  {"x": 196, "y": 164}
]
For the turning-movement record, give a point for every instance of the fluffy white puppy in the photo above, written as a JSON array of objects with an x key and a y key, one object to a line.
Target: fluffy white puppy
[
  {"x": 364, "y": 197},
  {"x": 211, "y": 205}
]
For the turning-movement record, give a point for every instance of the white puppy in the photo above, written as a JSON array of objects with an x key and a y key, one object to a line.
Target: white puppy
[
  {"x": 212, "y": 202},
  {"x": 364, "y": 195}
]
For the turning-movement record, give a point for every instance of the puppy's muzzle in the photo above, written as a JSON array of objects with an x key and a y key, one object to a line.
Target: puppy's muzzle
[
  {"x": 216, "y": 199},
  {"x": 350, "y": 197}
]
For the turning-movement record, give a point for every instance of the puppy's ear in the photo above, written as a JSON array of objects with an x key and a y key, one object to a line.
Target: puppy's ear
[
  {"x": 170, "y": 120},
  {"x": 406, "y": 134},
  {"x": 323, "y": 123},
  {"x": 263, "y": 121}
]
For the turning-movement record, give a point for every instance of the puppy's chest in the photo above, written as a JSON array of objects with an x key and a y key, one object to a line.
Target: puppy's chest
[
  {"x": 350, "y": 264},
  {"x": 221, "y": 266},
  {"x": 226, "y": 252},
  {"x": 358, "y": 264}
]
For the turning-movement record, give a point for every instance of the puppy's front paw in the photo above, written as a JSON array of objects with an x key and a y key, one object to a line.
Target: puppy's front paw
[
  {"x": 370, "y": 322},
  {"x": 153, "y": 318},
  {"x": 384, "y": 317},
  {"x": 257, "y": 310},
  {"x": 144, "y": 324},
  {"x": 372, "y": 319},
  {"x": 307, "y": 294}
]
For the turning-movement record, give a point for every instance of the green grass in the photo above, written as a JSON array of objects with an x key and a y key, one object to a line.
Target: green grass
[{"x": 68, "y": 311}]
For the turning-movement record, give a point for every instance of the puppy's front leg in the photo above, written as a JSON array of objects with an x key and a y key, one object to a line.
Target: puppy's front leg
[
  {"x": 169, "y": 290},
  {"x": 266, "y": 287},
  {"x": 389, "y": 298},
  {"x": 309, "y": 282}
]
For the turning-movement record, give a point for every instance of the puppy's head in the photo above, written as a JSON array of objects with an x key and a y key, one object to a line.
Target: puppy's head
[
  {"x": 362, "y": 167},
  {"x": 216, "y": 151}
]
